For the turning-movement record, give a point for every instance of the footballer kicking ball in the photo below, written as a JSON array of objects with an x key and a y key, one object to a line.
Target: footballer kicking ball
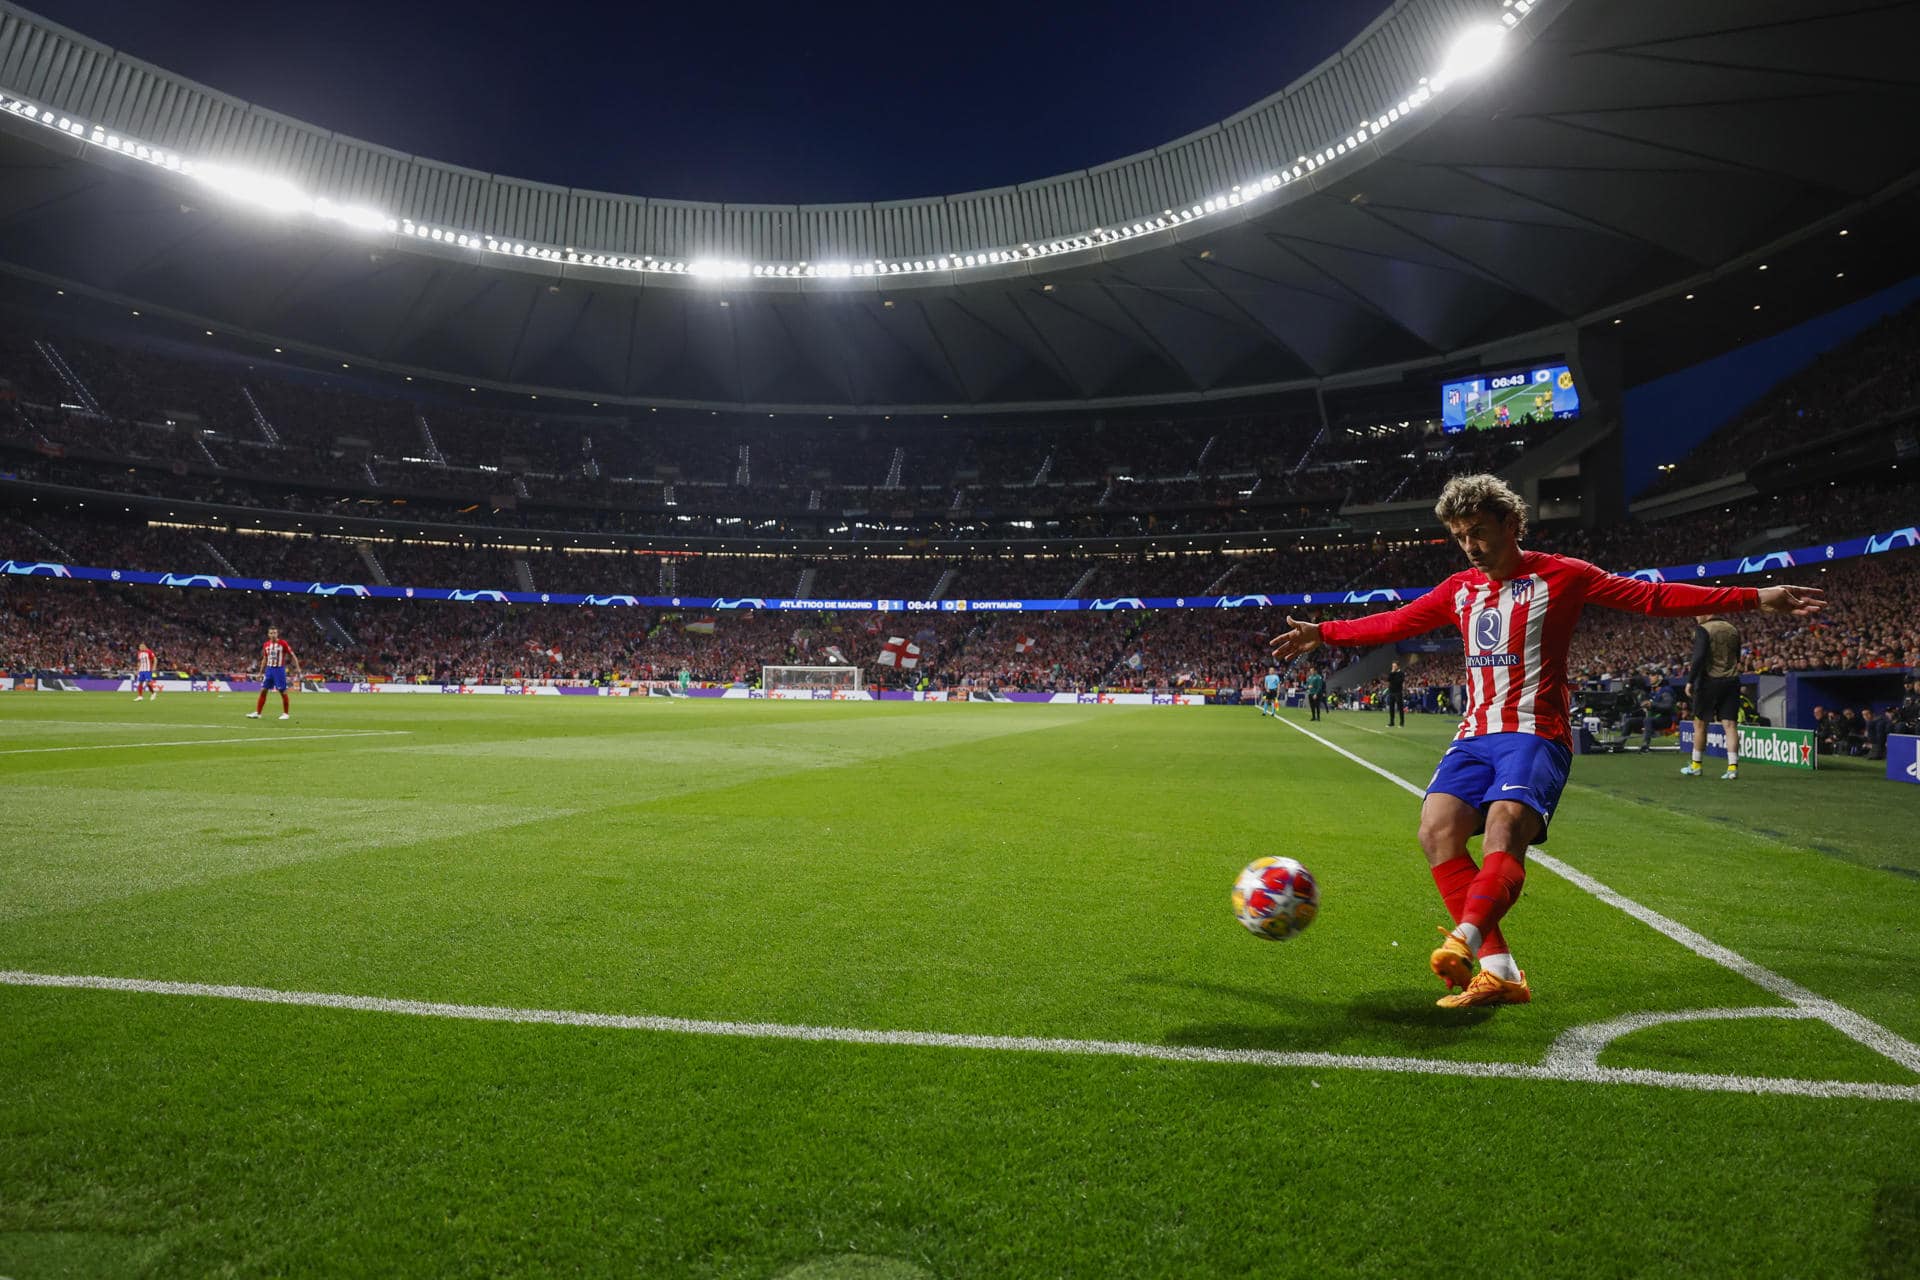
[{"x": 1275, "y": 898}]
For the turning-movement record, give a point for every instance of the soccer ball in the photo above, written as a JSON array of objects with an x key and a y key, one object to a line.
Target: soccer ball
[{"x": 1275, "y": 898}]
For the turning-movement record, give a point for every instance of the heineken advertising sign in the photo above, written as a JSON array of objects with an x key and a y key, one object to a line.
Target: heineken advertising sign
[{"x": 1758, "y": 743}]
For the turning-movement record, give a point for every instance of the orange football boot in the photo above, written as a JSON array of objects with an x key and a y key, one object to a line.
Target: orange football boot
[
  {"x": 1487, "y": 989},
  {"x": 1452, "y": 961}
]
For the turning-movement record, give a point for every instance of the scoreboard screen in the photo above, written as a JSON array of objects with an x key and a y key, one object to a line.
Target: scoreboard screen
[{"x": 1509, "y": 398}]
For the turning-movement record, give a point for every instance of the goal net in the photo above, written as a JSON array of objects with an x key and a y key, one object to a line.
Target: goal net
[{"x": 774, "y": 680}]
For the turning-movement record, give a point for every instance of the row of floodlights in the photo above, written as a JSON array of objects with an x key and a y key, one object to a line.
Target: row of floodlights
[{"x": 1471, "y": 53}]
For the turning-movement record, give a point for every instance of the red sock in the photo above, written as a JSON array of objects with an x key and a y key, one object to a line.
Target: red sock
[
  {"x": 258, "y": 706},
  {"x": 1454, "y": 878},
  {"x": 285, "y": 705},
  {"x": 1493, "y": 891}
]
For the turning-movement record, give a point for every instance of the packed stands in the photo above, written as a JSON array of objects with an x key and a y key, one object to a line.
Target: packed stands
[
  {"x": 482, "y": 498},
  {"x": 1872, "y": 378}
]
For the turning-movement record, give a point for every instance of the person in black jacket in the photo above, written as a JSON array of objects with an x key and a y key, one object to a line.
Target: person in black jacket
[{"x": 1396, "y": 697}]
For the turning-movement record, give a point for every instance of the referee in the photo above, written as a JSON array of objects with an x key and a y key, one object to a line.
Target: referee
[{"x": 1713, "y": 686}]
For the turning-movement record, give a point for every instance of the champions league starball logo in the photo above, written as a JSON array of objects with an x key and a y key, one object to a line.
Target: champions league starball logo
[{"x": 1771, "y": 560}]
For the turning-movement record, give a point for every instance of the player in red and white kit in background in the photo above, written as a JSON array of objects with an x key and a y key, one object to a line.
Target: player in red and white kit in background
[
  {"x": 1509, "y": 761},
  {"x": 144, "y": 679},
  {"x": 276, "y": 655}
]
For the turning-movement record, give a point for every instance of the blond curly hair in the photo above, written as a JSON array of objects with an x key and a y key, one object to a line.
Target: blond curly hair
[{"x": 1468, "y": 496}]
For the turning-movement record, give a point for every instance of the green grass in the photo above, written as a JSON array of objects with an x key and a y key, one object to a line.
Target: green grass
[{"x": 995, "y": 870}]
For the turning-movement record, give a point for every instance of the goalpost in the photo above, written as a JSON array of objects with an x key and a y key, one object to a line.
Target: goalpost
[{"x": 844, "y": 679}]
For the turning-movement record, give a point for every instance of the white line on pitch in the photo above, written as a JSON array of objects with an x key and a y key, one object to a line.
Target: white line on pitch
[
  {"x": 36, "y": 721},
  {"x": 1583, "y": 1045},
  {"x": 1565, "y": 1073},
  {"x": 1842, "y": 1019},
  {"x": 209, "y": 742}
]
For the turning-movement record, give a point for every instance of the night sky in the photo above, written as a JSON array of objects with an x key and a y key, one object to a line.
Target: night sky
[{"x": 745, "y": 102}]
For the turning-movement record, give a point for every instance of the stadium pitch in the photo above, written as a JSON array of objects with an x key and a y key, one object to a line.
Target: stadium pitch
[{"x": 463, "y": 986}]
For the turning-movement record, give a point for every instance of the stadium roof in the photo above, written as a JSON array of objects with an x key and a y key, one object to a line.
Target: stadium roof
[{"x": 1393, "y": 209}]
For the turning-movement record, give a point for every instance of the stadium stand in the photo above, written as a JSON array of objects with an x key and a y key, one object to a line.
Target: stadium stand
[{"x": 260, "y": 442}]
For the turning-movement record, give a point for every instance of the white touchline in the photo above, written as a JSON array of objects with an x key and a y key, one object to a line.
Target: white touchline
[
  {"x": 265, "y": 735},
  {"x": 1565, "y": 1072},
  {"x": 35, "y": 722},
  {"x": 1843, "y": 1020}
]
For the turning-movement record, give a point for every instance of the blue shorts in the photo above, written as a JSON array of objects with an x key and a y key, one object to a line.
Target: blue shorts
[
  {"x": 275, "y": 679},
  {"x": 1505, "y": 766},
  {"x": 145, "y": 677}
]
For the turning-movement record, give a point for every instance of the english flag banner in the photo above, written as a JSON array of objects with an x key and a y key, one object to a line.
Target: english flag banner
[{"x": 900, "y": 652}]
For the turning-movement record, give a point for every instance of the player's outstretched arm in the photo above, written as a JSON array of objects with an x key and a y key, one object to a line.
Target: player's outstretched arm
[
  {"x": 1679, "y": 599},
  {"x": 1299, "y": 638},
  {"x": 1801, "y": 602}
]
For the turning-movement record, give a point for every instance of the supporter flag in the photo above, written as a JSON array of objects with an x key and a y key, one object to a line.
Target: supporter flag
[
  {"x": 1135, "y": 661},
  {"x": 833, "y": 654},
  {"x": 555, "y": 655},
  {"x": 1024, "y": 644},
  {"x": 900, "y": 652},
  {"x": 701, "y": 627}
]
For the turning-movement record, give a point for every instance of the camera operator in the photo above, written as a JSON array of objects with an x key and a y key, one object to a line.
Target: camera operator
[{"x": 1659, "y": 711}]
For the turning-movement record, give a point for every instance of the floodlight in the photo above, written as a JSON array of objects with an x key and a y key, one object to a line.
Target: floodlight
[
  {"x": 276, "y": 195},
  {"x": 1472, "y": 52},
  {"x": 359, "y": 217}
]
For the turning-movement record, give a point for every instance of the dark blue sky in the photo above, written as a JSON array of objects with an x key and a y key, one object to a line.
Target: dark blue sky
[{"x": 748, "y": 102}]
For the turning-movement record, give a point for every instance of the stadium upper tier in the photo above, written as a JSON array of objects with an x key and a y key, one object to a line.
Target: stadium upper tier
[
  {"x": 174, "y": 423},
  {"x": 1466, "y": 178}
]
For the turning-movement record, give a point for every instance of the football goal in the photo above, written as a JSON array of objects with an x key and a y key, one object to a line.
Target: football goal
[{"x": 795, "y": 679}]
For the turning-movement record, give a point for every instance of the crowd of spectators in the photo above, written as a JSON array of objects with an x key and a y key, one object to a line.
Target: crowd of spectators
[
  {"x": 1873, "y": 622},
  {"x": 163, "y": 423},
  {"x": 1874, "y": 374},
  {"x": 200, "y": 426}
]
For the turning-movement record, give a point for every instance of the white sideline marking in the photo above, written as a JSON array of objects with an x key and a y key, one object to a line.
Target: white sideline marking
[
  {"x": 1565, "y": 1073},
  {"x": 1843, "y": 1020},
  {"x": 1583, "y": 1045},
  {"x": 207, "y": 742},
  {"x": 34, "y": 722}
]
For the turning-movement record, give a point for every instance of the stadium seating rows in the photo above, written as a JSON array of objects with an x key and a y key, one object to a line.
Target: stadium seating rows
[{"x": 200, "y": 429}]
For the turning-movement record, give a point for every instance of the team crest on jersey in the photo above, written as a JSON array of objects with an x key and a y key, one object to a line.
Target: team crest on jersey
[
  {"x": 1487, "y": 630},
  {"x": 1522, "y": 589}
]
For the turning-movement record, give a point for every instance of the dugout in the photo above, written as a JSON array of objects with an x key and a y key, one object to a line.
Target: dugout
[{"x": 1862, "y": 690}]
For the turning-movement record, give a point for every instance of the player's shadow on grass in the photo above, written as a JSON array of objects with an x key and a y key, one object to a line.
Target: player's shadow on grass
[{"x": 1401, "y": 1018}]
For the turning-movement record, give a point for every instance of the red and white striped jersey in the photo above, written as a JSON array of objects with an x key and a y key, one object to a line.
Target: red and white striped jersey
[
  {"x": 145, "y": 659},
  {"x": 1517, "y": 632},
  {"x": 275, "y": 653}
]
